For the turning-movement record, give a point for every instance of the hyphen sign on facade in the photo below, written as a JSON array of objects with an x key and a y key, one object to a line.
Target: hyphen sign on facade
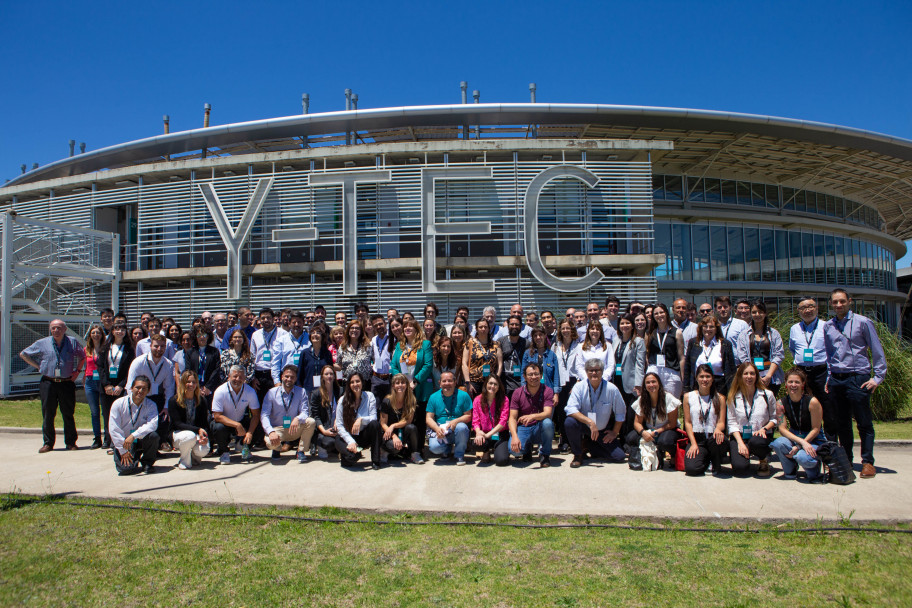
[{"x": 234, "y": 238}]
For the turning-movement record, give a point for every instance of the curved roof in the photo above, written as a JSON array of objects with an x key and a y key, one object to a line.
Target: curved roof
[{"x": 864, "y": 166}]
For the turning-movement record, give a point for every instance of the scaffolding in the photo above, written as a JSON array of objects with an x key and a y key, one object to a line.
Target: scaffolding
[{"x": 50, "y": 271}]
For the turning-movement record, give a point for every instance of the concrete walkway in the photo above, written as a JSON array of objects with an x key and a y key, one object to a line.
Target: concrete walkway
[{"x": 597, "y": 488}]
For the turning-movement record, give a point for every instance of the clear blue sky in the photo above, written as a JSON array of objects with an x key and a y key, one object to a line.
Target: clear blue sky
[{"x": 105, "y": 72}]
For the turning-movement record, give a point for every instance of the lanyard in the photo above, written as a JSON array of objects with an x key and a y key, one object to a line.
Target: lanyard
[
  {"x": 134, "y": 419},
  {"x": 708, "y": 402},
  {"x": 114, "y": 361},
  {"x": 154, "y": 371},
  {"x": 540, "y": 396},
  {"x": 728, "y": 328},
  {"x": 662, "y": 341},
  {"x": 332, "y": 409},
  {"x": 449, "y": 402},
  {"x": 792, "y": 411},
  {"x": 565, "y": 355},
  {"x": 598, "y": 395},
  {"x": 381, "y": 345},
  {"x": 202, "y": 364},
  {"x": 753, "y": 402},
  {"x": 237, "y": 401},
  {"x": 809, "y": 336},
  {"x": 287, "y": 405},
  {"x": 59, "y": 351},
  {"x": 755, "y": 345},
  {"x": 490, "y": 414},
  {"x": 707, "y": 351},
  {"x": 267, "y": 341},
  {"x": 621, "y": 350},
  {"x": 300, "y": 342}
]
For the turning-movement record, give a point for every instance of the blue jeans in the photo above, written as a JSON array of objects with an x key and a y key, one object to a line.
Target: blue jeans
[
  {"x": 542, "y": 433},
  {"x": 457, "y": 438},
  {"x": 93, "y": 392},
  {"x": 784, "y": 445}
]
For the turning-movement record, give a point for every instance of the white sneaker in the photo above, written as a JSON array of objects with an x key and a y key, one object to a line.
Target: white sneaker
[
  {"x": 182, "y": 466},
  {"x": 225, "y": 458},
  {"x": 460, "y": 462},
  {"x": 416, "y": 458},
  {"x": 322, "y": 454}
]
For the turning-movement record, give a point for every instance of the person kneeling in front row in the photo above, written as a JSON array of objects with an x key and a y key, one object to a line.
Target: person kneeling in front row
[
  {"x": 357, "y": 423},
  {"x": 285, "y": 416},
  {"x": 590, "y": 409},
  {"x": 656, "y": 418},
  {"x": 133, "y": 422},
  {"x": 530, "y": 417},
  {"x": 802, "y": 434},
  {"x": 704, "y": 423},
  {"x": 235, "y": 410},
  {"x": 449, "y": 414},
  {"x": 189, "y": 420},
  {"x": 751, "y": 421}
]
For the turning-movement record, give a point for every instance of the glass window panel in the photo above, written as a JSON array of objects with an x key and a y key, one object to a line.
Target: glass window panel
[
  {"x": 856, "y": 262},
  {"x": 795, "y": 261},
  {"x": 782, "y": 256},
  {"x": 695, "y": 189},
  {"x": 801, "y": 201},
  {"x": 701, "y": 264},
  {"x": 840, "y": 207},
  {"x": 767, "y": 255},
  {"x": 851, "y": 211},
  {"x": 663, "y": 247},
  {"x": 729, "y": 192},
  {"x": 812, "y": 202},
  {"x": 658, "y": 187},
  {"x": 744, "y": 193},
  {"x": 713, "y": 191},
  {"x": 751, "y": 254},
  {"x": 869, "y": 264},
  {"x": 673, "y": 188},
  {"x": 840, "y": 260},
  {"x": 719, "y": 257},
  {"x": 819, "y": 259},
  {"x": 758, "y": 195},
  {"x": 807, "y": 254},
  {"x": 788, "y": 198},
  {"x": 772, "y": 196},
  {"x": 735, "y": 254},
  {"x": 681, "y": 252}
]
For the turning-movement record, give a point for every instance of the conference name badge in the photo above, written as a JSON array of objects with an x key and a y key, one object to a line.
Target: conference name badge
[
  {"x": 296, "y": 358},
  {"x": 808, "y": 355},
  {"x": 660, "y": 360},
  {"x": 758, "y": 361},
  {"x": 113, "y": 370},
  {"x": 94, "y": 374},
  {"x": 267, "y": 356},
  {"x": 286, "y": 422},
  {"x": 746, "y": 432},
  {"x": 516, "y": 370},
  {"x": 486, "y": 370},
  {"x": 617, "y": 369}
]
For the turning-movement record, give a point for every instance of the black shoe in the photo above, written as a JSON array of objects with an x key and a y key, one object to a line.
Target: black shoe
[
  {"x": 106, "y": 444},
  {"x": 375, "y": 466},
  {"x": 564, "y": 448},
  {"x": 276, "y": 455},
  {"x": 545, "y": 462},
  {"x": 97, "y": 443},
  {"x": 148, "y": 469},
  {"x": 527, "y": 457},
  {"x": 345, "y": 462}
]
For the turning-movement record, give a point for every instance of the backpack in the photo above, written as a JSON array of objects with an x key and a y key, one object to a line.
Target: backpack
[{"x": 837, "y": 463}]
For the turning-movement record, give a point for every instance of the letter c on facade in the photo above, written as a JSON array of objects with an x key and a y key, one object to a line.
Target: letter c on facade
[{"x": 530, "y": 225}]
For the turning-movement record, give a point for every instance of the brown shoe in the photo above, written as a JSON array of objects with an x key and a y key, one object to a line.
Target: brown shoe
[
  {"x": 577, "y": 461},
  {"x": 763, "y": 469},
  {"x": 868, "y": 470},
  {"x": 72, "y": 447},
  {"x": 45, "y": 449}
]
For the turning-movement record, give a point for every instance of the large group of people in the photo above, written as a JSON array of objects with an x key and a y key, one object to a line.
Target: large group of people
[{"x": 601, "y": 382}]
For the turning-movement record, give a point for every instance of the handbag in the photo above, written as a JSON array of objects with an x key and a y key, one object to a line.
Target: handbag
[
  {"x": 680, "y": 450},
  {"x": 836, "y": 460}
]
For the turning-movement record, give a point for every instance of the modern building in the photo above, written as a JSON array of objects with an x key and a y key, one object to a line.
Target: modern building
[{"x": 550, "y": 205}]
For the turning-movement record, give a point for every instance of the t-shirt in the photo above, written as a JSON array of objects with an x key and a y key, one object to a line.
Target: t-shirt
[
  {"x": 392, "y": 416},
  {"x": 512, "y": 362},
  {"x": 658, "y": 417},
  {"x": 449, "y": 408},
  {"x": 527, "y": 404}
]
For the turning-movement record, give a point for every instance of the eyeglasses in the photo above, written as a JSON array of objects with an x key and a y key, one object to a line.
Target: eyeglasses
[
  {"x": 704, "y": 311},
  {"x": 807, "y": 307}
]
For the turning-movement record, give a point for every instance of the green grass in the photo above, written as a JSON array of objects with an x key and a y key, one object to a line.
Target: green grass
[{"x": 102, "y": 557}]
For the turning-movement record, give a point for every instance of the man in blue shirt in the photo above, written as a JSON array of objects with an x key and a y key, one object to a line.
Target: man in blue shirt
[
  {"x": 592, "y": 405},
  {"x": 449, "y": 414},
  {"x": 847, "y": 338},
  {"x": 809, "y": 355},
  {"x": 58, "y": 358}
]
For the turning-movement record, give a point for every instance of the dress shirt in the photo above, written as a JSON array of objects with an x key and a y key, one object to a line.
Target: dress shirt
[
  {"x": 381, "y": 354},
  {"x": 733, "y": 331},
  {"x": 287, "y": 349},
  {"x": 756, "y": 414},
  {"x": 142, "y": 348},
  {"x": 262, "y": 346},
  {"x": 847, "y": 343},
  {"x": 278, "y": 403},
  {"x": 233, "y": 405},
  {"x": 802, "y": 336},
  {"x": 127, "y": 418},
  {"x": 564, "y": 361},
  {"x": 161, "y": 374},
  {"x": 367, "y": 411},
  {"x": 611, "y": 335},
  {"x": 68, "y": 357},
  {"x": 603, "y": 401},
  {"x": 595, "y": 351}
]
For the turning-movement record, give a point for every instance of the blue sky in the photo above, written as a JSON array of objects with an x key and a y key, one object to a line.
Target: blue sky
[{"x": 105, "y": 72}]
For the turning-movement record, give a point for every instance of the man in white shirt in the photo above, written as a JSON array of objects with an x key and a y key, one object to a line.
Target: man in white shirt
[
  {"x": 132, "y": 425},
  {"x": 220, "y": 329},
  {"x": 806, "y": 344},
  {"x": 732, "y": 328},
  {"x": 160, "y": 371},
  {"x": 593, "y": 313},
  {"x": 235, "y": 411},
  {"x": 589, "y": 410},
  {"x": 285, "y": 416},
  {"x": 688, "y": 329},
  {"x": 262, "y": 347},
  {"x": 289, "y": 347},
  {"x": 380, "y": 357},
  {"x": 613, "y": 304},
  {"x": 155, "y": 327}
]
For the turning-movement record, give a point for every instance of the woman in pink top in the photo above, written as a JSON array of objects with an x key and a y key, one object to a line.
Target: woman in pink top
[
  {"x": 490, "y": 414},
  {"x": 92, "y": 387}
]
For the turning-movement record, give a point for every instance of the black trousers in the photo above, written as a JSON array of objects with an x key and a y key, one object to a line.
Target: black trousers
[
  {"x": 410, "y": 443},
  {"x": 53, "y": 395},
  {"x": 708, "y": 451},
  {"x": 817, "y": 379},
  {"x": 164, "y": 424},
  {"x": 420, "y": 422},
  {"x": 144, "y": 452},
  {"x": 757, "y": 446},
  {"x": 500, "y": 448},
  {"x": 380, "y": 388},
  {"x": 560, "y": 413},
  {"x": 325, "y": 441},
  {"x": 664, "y": 442},
  {"x": 223, "y": 434},
  {"x": 369, "y": 437},
  {"x": 265, "y": 381}
]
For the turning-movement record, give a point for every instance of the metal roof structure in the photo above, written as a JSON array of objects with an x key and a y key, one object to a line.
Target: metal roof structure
[{"x": 867, "y": 167}]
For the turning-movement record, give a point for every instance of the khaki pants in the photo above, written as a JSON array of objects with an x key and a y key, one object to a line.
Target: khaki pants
[{"x": 304, "y": 433}]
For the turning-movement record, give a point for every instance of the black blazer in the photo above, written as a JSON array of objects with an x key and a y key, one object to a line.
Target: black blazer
[
  {"x": 694, "y": 350},
  {"x": 179, "y": 420},
  {"x": 123, "y": 369},
  {"x": 213, "y": 366},
  {"x": 319, "y": 410}
]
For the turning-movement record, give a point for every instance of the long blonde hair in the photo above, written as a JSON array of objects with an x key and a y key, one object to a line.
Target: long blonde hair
[
  {"x": 409, "y": 403},
  {"x": 181, "y": 393}
]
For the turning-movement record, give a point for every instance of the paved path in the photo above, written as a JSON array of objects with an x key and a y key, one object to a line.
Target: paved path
[{"x": 597, "y": 488}]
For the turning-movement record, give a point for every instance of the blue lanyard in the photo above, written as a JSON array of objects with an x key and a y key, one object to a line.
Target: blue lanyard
[
  {"x": 268, "y": 340},
  {"x": 59, "y": 351},
  {"x": 154, "y": 371},
  {"x": 290, "y": 399},
  {"x": 133, "y": 419},
  {"x": 598, "y": 395}
]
